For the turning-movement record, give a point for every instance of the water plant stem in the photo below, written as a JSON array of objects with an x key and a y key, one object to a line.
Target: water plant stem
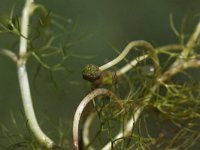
[
  {"x": 83, "y": 104},
  {"x": 24, "y": 82},
  {"x": 127, "y": 49}
]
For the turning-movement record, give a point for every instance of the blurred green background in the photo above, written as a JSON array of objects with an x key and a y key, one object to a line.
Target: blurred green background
[{"x": 101, "y": 25}]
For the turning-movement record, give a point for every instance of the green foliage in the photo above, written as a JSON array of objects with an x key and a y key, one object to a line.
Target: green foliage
[{"x": 170, "y": 110}]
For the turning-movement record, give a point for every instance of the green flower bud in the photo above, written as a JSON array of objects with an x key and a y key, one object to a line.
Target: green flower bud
[{"x": 91, "y": 72}]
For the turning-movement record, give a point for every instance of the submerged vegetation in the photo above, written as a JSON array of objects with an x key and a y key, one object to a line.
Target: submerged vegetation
[{"x": 152, "y": 102}]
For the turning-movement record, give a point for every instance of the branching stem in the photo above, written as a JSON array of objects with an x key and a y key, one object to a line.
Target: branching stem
[
  {"x": 10, "y": 54},
  {"x": 179, "y": 65},
  {"x": 23, "y": 79}
]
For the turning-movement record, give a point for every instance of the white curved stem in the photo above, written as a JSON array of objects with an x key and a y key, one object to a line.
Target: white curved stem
[
  {"x": 29, "y": 111},
  {"x": 81, "y": 107},
  {"x": 127, "y": 49}
]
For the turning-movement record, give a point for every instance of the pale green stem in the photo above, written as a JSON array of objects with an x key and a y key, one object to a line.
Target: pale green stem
[
  {"x": 24, "y": 27},
  {"x": 191, "y": 42},
  {"x": 10, "y": 54},
  {"x": 86, "y": 130},
  {"x": 169, "y": 48},
  {"x": 29, "y": 111},
  {"x": 193, "y": 39},
  {"x": 23, "y": 79},
  {"x": 130, "y": 65}
]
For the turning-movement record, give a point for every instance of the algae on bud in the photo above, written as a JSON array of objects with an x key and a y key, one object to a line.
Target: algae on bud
[{"x": 91, "y": 72}]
